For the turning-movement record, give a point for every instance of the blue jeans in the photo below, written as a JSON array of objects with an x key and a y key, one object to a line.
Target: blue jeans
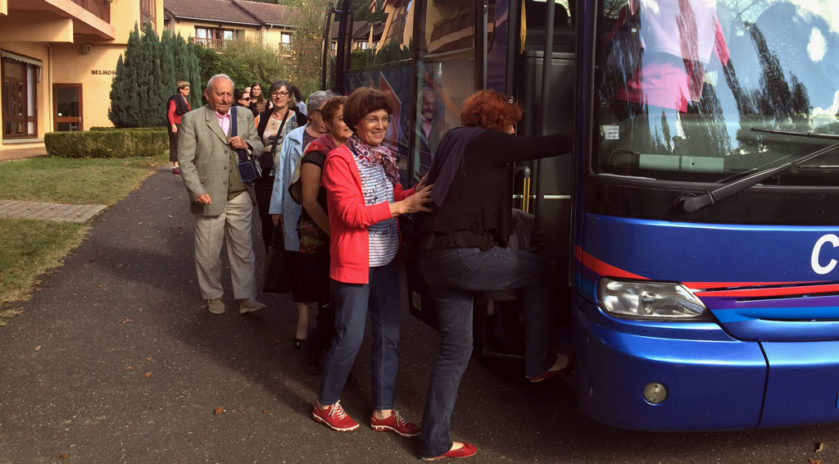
[
  {"x": 453, "y": 275},
  {"x": 381, "y": 294}
]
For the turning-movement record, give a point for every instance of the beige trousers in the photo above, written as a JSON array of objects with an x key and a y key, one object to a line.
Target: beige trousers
[{"x": 232, "y": 227}]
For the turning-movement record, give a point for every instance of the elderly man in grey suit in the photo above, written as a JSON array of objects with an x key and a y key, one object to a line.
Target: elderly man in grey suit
[{"x": 220, "y": 203}]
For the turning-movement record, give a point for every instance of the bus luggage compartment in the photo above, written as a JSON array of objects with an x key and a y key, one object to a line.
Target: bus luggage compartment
[{"x": 710, "y": 380}]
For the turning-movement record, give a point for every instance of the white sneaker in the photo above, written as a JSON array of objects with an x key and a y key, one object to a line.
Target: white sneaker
[
  {"x": 250, "y": 305},
  {"x": 216, "y": 306}
]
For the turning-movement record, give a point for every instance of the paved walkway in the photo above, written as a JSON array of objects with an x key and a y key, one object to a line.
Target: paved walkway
[{"x": 49, "y": 211}]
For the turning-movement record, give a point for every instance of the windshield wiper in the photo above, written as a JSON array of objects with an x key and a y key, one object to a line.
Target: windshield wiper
[{"x": 691, "y": 204}]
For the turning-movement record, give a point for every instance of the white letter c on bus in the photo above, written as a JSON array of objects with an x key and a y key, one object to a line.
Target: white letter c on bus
[{"x": 814, "y": 259}]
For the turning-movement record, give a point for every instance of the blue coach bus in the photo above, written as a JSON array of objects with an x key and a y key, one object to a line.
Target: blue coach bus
[{"x": 699, "y": 212}]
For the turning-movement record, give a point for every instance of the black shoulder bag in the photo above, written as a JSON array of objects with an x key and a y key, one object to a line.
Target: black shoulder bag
[{"x": 249, "y": 169}]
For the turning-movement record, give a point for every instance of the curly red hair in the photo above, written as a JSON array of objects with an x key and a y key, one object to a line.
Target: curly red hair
[{"x": 489, "y": 109}]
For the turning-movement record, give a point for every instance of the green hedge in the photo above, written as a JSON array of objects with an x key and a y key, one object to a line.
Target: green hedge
[
  {"x": 154, "y": 128},
  {"x": 115, "y": 143}
]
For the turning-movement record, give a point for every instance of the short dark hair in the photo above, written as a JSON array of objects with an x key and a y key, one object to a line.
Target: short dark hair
[
  {"x": 296, "y": 92},
  {"x": 277, "y": 85},
  {"x": 365, "y": 100},
  {"x": 237, "y": 95},
  {"x": 331, "y": 107}
]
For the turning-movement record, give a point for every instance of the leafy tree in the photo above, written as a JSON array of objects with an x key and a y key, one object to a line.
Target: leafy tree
[
  {"x": 260, "y": 63},
  {"x": 304, "y": 67},
  {"x": 211, "y": 63}
]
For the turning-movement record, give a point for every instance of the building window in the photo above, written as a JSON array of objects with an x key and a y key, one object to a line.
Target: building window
[
  {"x": 20, "y": 106},
  {"x": 148, "y": 11},
  {"x": 214, "y": 37},
  {"x": 285, "y": 43},
  {"x": 362, "y": 46}
]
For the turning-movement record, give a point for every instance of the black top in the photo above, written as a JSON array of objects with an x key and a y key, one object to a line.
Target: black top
[
  {"x": 317, "y": 158},
  {"x": 477, "y": 210}
]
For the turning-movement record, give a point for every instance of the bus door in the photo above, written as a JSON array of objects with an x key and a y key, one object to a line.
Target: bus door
[
  {"x": 543, "y": 187},
  {"x": 509, "y": 58}
]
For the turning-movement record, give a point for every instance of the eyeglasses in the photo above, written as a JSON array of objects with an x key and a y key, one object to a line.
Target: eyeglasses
[
  {"x": 281, "y": 93},
  {"x": 245, "y": 98},
  {"x": 372, "y": 120}
]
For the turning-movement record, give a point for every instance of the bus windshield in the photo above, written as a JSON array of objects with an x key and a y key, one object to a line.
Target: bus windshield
[{"x": 703, "y": 90}]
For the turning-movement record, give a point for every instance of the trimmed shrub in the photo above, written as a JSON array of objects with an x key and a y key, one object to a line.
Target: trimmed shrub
[{"x": 113, "y": 143}]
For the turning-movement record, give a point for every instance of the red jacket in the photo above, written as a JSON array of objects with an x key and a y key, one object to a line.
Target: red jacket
[{"x": 350, "y": 218}]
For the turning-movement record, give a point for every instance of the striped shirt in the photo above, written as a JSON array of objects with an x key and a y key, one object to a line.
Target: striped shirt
[{"x": 383, "y": 236}]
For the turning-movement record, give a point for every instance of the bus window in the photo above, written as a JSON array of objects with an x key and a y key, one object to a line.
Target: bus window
[
  {"x": 534, "y": 25},
  {"x": 448, "y": 73},
  {"x": 378, "y": 43},
  {"x": 681, "y": 85}
]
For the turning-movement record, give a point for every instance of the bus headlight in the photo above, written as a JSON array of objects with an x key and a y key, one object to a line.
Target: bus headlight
[{"x": 642, "y": 299}]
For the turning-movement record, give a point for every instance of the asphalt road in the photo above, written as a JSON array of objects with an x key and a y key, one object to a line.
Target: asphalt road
[{"x": 114, "y": 360}]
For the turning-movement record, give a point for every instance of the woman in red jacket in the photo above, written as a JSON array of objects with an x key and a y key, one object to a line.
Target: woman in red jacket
[
  {"x": 176, "y": 107},
  {"x": 363, "y": 197}
]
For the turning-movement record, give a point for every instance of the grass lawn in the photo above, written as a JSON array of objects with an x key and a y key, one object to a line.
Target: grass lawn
[
  {"x": 74, "y": 181},
  {"x": 33, "y": 247}
]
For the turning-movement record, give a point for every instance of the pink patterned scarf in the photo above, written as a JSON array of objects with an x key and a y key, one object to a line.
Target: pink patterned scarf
[{"x": 372, "y": 156}]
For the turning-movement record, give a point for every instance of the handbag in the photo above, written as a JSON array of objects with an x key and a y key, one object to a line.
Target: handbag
[
  {"x": 249, "y": 169},
  {"x": 278, "y": 265}
]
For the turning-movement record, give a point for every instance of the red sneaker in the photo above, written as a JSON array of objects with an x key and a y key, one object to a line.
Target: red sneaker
[
  {"x": 464, "y": 451},
  {"x": 396, "y": 424},
  {"x": 176, "y": 171},
  {"x": 335, "y": 418}
]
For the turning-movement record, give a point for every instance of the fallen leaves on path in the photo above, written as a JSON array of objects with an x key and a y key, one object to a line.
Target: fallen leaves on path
[
  {"x": 147, "y": 375},
  {"x": 63, "y": 456},
  {"x": 819, "y": 447},
  {"x": 218, "y": 410},
  {"x": 38, "y": 348}
]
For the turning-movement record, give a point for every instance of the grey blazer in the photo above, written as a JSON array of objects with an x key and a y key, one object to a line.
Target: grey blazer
[{"x": 204, "y": 155}]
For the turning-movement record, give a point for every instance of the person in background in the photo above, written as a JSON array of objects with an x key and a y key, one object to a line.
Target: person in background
[
  {"x": 433, "y": 126},
  {"x": 298, "y": 97},
  {"x": 176, "y": 107},
  {"x": 364, "y": 197},
  {"x": 313, "y": 227},
  {"x": 274, "y": 125},
  {"x": 284, "y": 207},
  {"x": 243, "y": 98},
  {"x": 258, "y": 102},
  {"x": 220, "y": 203},
  {"x": 465, "y": 250}
]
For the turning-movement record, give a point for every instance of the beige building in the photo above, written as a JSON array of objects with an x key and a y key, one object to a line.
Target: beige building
[
  {"x": 57, "y": 61},
  {"x": 213, "y": 22}
]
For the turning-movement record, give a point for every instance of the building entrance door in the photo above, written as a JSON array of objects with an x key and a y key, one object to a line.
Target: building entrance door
[{"x": 68, "y": 107}]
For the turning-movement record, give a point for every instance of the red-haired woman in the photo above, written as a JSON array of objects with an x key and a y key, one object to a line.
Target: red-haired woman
[
  {"x": 465, "y": 251},
  {"x": 363, "y": 196}
]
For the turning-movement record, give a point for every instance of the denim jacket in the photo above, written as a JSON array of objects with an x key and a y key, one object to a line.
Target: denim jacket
[{"x": 281, "y": 201}]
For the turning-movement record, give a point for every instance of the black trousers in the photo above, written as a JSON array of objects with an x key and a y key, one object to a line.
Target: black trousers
[{"x": 263, "y": 188}]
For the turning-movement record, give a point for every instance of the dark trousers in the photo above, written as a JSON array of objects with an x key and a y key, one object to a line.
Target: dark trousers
[
  {"x": 351, "y": 301},
  {"x": 453, "y": 275},
  {"x": 263, "y": 188}
]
